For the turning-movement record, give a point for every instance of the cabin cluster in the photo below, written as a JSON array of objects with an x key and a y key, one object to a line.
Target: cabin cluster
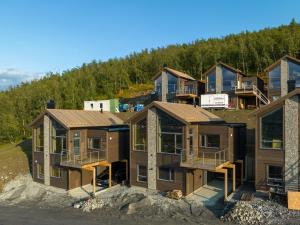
[{"x": 175, "y": 143}]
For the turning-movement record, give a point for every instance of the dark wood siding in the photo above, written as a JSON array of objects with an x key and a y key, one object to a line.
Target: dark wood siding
[
  {"x": 118, "y": 145},
  {"x": 78, "y": 178},
  {"x": 37, "y": 158},
  {"x": 137, "y": 158}
]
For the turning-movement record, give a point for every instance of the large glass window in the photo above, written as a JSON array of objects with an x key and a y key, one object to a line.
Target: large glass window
[
  {"x": 39, "y": 139},
  {"x": 94, "y": 143},
  {"x": 211, "y": 82},
  {"x": 274, "y": 175},
  {"x": 294, "y": 72},
  {"x": 274, "y": 77},
  {"x": 170, "y": 133},
  {"x": 59, "y": 141},
  {"x": 140, "y": 133},
  {"x": 76, "y": 143},
  {"x": 229, "y": 79},
  {"x": 172, "y": 84},
  {"x": 141, "y": 173},
  {"x": 272, "y": 130},
  {"x": 210, "y": 140},
  {"x": 166, "y": 174}
]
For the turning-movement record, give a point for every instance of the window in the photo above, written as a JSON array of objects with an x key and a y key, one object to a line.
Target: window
[
  {"x": 141, "y": 173},
  {"x": 92, "y": 105},
  {"x": 272, "y": 130},
  {"x": 294, "y": 72},
  {"x": 172, "y": 84},
  {"x": 59, "y": 141},
  {"x": 274, "y": 78},
  {"x": 211, "y": 82},
  {"x": 229, "y": 79},
  {"x": 166, "y": 174},
  {"x": 101, "y": 105},
  {"x": 40, "y": 171},
  {"x": 210, "y": 141},
  {"x": 140, "y": 133},
  {"x": 170, "y": 134},
  {"x": 94, "y": 143},
  {"x": 158, "y": 85},
  {"x": 39, "y": 139},
  {"x": 274, "y": 175},
  {"x": 55, "y": 172},
  {"x": 76, "y": 143}
]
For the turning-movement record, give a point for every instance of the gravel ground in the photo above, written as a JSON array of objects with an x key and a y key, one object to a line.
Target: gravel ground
[{"x": 261, "y": 211}]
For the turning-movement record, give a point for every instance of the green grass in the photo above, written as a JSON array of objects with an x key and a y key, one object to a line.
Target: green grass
[
  {"x": 15, "y": 159},
  {"x": 237, "y": 116}
]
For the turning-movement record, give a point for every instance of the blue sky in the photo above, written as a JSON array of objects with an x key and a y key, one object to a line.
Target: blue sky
[{"x": 37, "y": 37}]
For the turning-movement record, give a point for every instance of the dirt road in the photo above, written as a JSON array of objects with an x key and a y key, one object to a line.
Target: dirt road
[{"x": 32, "y": 215}]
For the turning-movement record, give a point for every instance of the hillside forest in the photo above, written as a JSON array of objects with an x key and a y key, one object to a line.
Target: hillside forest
[{"x": 250, "y": 52}]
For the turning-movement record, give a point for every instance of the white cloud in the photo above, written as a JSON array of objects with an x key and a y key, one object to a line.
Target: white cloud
[{"x": 10, "y": 77}]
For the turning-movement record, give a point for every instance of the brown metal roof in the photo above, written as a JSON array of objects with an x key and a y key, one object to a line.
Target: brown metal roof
[
  {"x": 226, "y": 66},
  {"x": 183, "y": 112},
  {"x": 175, "y": 73},
  {"x": 278, "y": 61},
  {"x": 81, "y": 118}
]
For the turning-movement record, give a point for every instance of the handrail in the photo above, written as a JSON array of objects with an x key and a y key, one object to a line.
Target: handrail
[
  {"x": 89, "y": 156},
  {"x": 254, "y": 90},
  {"x": 204, "y": 160}
]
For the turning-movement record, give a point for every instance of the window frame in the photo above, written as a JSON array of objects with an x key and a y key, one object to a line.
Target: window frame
[
  {"x": 89, "y": 147},
  {"x": 174, "y": 134},
  {"x": 260, "y": 131},
  {"x": 51, "y": 171},
  {"x": 36, "y": 147},
  {"x": 171, "y": 170},
  {"x": 205, "y": 140},
  {"x": 76, "y": 138},
  {"x": 275, "y": 180},
  {"x": 138, "y": 175},
  {"x": 40, "y": 176},
  {"x": 135, "y": 136}
]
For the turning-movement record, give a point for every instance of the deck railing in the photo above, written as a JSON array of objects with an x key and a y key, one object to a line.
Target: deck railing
[
  {"x": 77, "y": 160},
  {"x": 203, "y": 160},
  {"x": 186, "y": 91},
  {"x": 246, "y": 89}
]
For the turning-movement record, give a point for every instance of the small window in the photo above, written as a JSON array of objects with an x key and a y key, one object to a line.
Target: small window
[
  {"x": 101, "y": 105},
  {"x": 92, "y": 105},
  {"x": 94, "y": 143},
  {"x": 210, "y": 141},
  {"x": 274, "y": 175},
  {"x": 166, "y": 174},
  {"x": 55, "y": 172},
  {"x": 40, "y": 171},
  {"x": 39, "y": 139},
  {"x": 76, "y": 143},
  {"x": 141, "y": 173}
]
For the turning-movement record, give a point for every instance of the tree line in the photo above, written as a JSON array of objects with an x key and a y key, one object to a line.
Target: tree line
[{"x": 250, "y": 52}]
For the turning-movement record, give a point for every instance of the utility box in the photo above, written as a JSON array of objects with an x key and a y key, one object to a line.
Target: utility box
[{"x": 214, "y": 101}]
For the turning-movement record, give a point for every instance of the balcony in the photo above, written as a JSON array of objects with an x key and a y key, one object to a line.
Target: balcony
[
  {"x": 204, "y": 160},
  {"x": 69, "y": 159},
  {"x": 186, "y": 91}
]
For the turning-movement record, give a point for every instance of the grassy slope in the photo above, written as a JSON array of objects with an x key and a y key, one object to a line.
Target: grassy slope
[
  {"x": 14, "y": 160},
  {"x": 237, "y": 116}
]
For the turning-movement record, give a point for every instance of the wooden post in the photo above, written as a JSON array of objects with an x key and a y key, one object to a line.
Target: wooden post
[
  {"x": 233, "y": 178},
  {"x": 94, "y": 180},
  {"x": 126, "y": 163},
  {"x": 242, "y": 170},
  {"x": 109, "y": 167},
  {"x": 225, "y": 184}
]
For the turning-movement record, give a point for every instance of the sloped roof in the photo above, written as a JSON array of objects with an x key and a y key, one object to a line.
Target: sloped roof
[
  {"x": 183, "y": 112},
  {"x": 175, "y": 73},
  {"x": 226, "y": 66},
  {"x": 276, "y": 103},
  {"x": 81, "y": 118},
  {"x": 278, "y": 61}
]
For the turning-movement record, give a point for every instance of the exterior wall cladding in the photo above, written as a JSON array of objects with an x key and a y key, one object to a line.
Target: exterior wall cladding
[
  {"x": 185, "y": 179},
  {"x": 288, "y": 157},
  {"x": 70, "y": 178}
]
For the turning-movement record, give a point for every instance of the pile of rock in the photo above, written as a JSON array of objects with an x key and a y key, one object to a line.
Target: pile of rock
[{"x": 259, "y": 211}]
